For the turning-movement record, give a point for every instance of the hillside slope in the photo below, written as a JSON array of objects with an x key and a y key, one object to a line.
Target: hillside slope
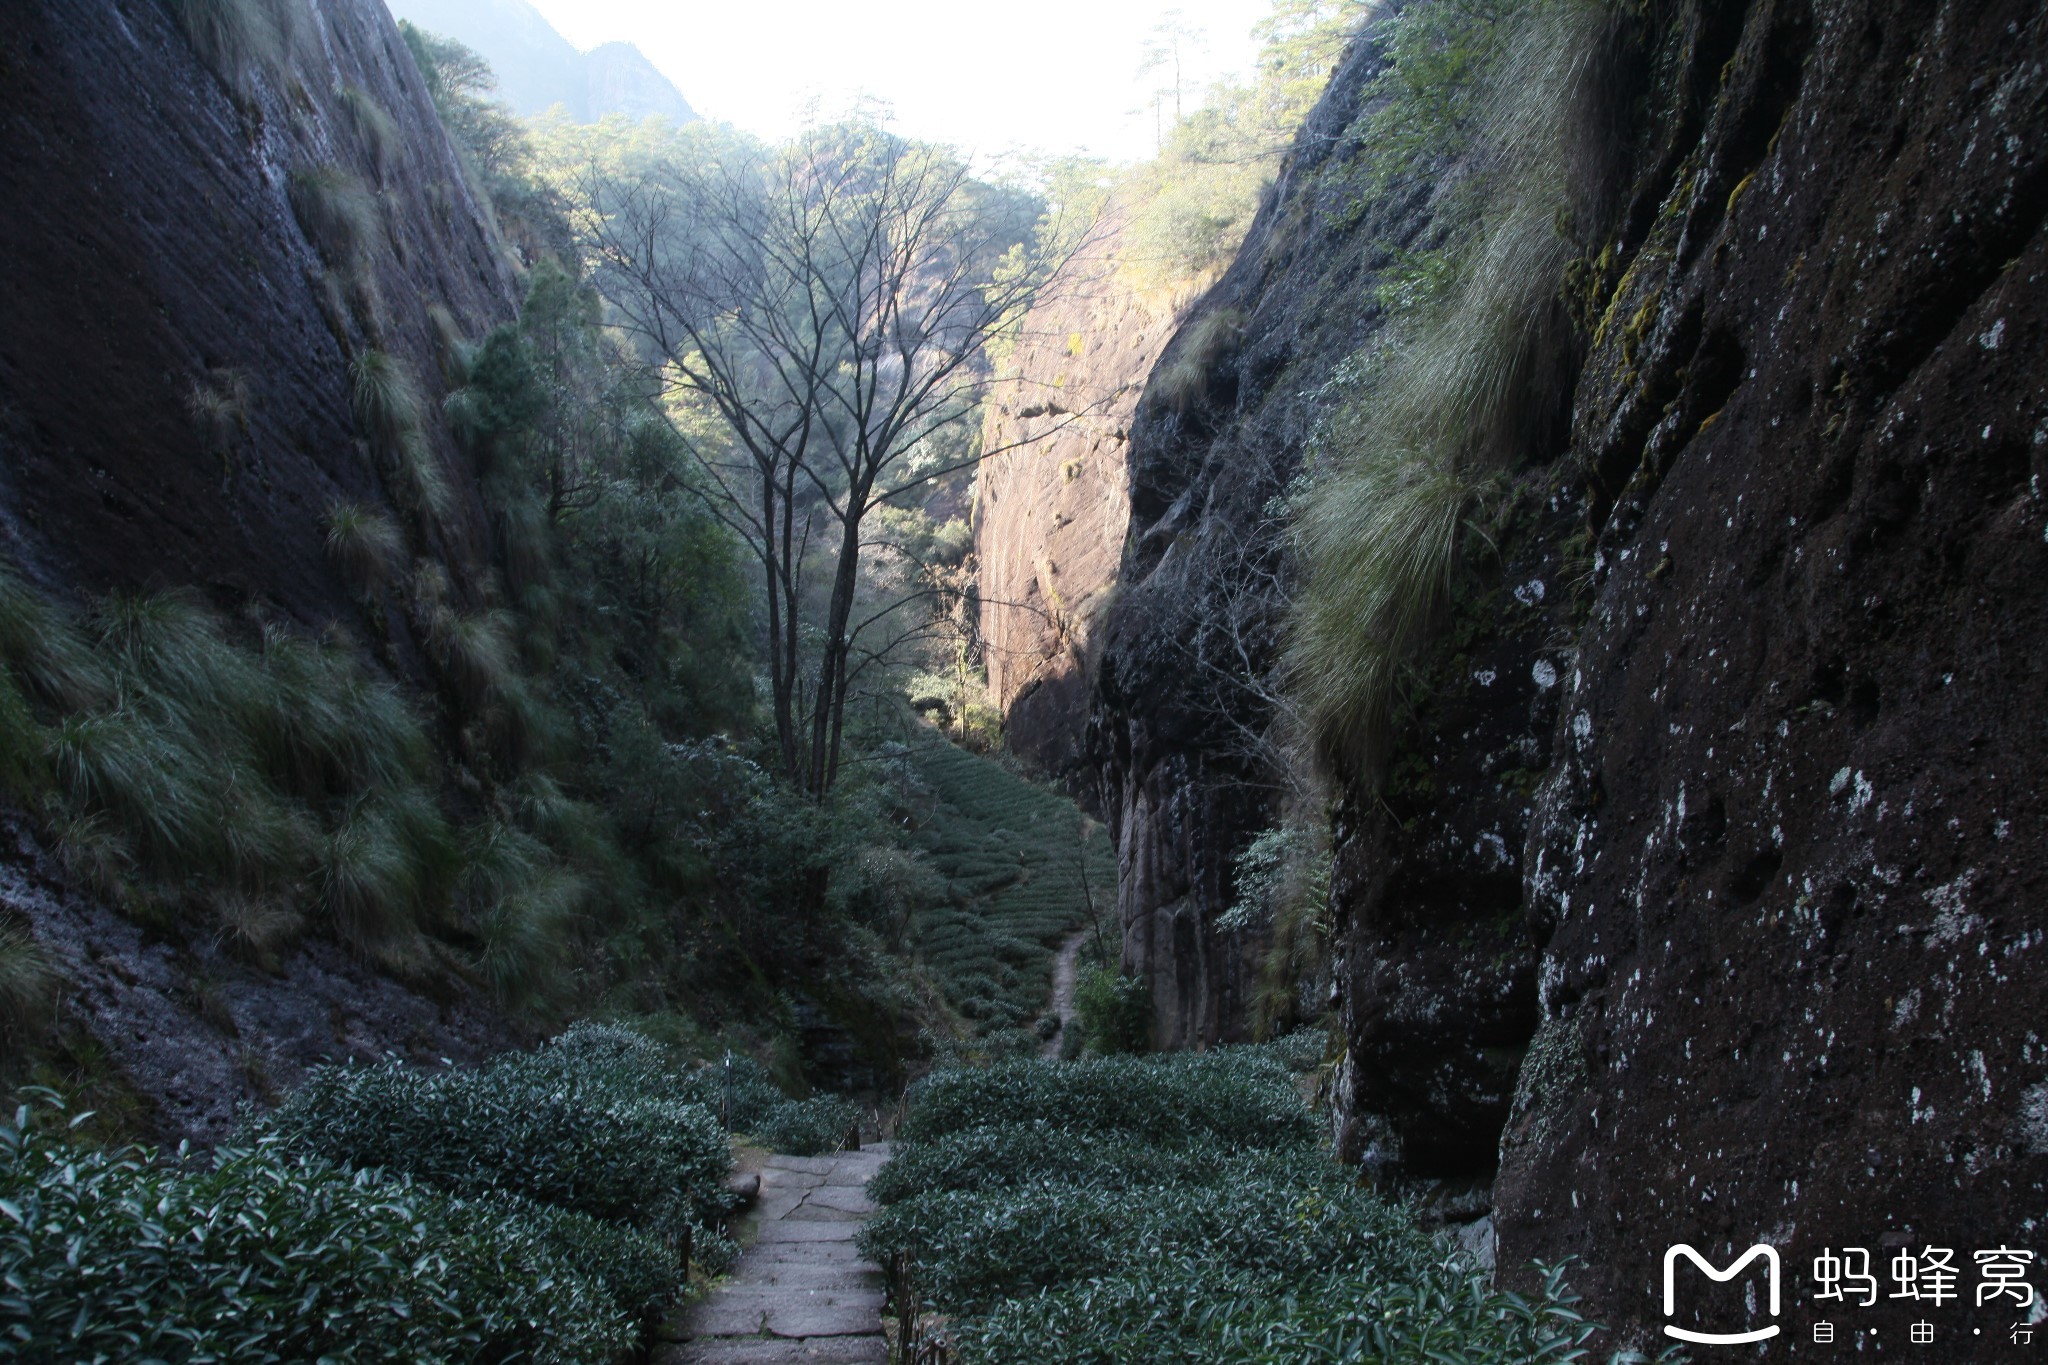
[{"x": 537, "y": 68}]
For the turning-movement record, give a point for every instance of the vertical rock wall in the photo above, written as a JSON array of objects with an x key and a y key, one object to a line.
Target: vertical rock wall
[
  {"x": 1052, "y": 505},
  {"x": 153, "y": 250},
  {"x": 1701, "y": 899}
]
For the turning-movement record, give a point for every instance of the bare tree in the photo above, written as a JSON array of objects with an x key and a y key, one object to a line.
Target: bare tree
[{"x": 828, "y": 306}]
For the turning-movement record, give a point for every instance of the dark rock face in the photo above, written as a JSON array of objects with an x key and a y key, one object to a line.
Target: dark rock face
[
  {"x": 1788, "y": 864},
  {"x": 1701, "y": 899},
  {"x": 1178, "y": 729},
  {"x": 152, "y": 250}
]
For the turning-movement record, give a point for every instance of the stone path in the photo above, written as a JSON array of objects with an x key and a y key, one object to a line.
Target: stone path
[
  {"x": 1066, "y": 976},
  {"x": 801, "y": 1292}
]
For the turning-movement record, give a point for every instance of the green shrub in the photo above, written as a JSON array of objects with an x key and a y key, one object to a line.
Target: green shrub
[
  {"x": 1286, "y": 1216},
  {"x": 261, "y": 1255},
  {"x": 1237, "y": 1096},
  {"x": 1114, "y": 1011},
  {"x": 1403, "y": 1304},
  {"x": 518, "y": 1125},
  {"x": 761, "y": 1111},
  {"x": 1002, "y": 1154}
]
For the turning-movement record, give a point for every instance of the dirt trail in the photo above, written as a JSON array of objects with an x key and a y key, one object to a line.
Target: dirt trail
[
  {"x": 1066, "y": 973},
  {"x": 801, "y": 1292}
]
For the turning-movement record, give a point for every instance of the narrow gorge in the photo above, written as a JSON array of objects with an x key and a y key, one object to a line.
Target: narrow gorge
[{"x": 1330, "y": 730}]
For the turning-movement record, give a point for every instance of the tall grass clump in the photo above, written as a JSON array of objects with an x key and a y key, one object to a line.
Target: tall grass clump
[
  {"x": 43, "y": 648},
  {"x": 365, "y": 543},
  {"x": 237, "y": 38},
  {"x": 337, "y": 210},
  {"x": 374, "y": 128},
  {"x": 27, "y": 987},
  {"x": 1435, "y": 420},
  {"x": 384, "y": 399}
]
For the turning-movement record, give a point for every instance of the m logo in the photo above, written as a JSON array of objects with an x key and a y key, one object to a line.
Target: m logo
[{"x": 1770, "y": 1259}]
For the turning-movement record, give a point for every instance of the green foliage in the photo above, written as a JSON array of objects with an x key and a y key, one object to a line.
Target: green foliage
[
  {"x": 1239, "y": 1097},
  {"x": 1083, "y": 1213},
  {"x": 1114, "y": 1011},
  {"x": 338, "y": 212},
  {"x": 525, "y": 1124},
  {"x": 1190, "y": 206},
  {"x": 258, "y": 1254}
]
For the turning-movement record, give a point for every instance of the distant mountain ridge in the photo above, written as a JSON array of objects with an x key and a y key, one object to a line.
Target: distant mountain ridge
[{"x": 537, "y": 68}]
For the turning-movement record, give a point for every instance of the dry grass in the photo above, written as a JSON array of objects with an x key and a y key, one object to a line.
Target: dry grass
[
  {"x": 374, "y": 128},
  {"x": 1185, "y": 375},
  {"x": 338, "y": 212},
  {"x": 1451, "y": 407},
  {"x": 236, "y": 38},
  {"x": 365, "y": 543}
]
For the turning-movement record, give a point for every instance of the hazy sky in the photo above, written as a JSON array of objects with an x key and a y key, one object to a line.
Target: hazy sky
[{"x": 1054, "y": 75}]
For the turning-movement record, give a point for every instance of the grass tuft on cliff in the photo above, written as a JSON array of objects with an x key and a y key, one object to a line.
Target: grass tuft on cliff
[
  {"x": 28, "y": 987},
  {"x": 365, "y": 543},
  {"x": 338, "y": 211},
  {"x": 374, "y": 128},
  {"x": 1435, "y": 420},
  {"x": 236, "y": 38}
]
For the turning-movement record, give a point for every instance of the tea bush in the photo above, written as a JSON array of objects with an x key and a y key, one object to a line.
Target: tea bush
[
  {"x": 1287, "y": 1217},
  {"x": 526, "y": 1124},
  {"x": 761, "y": 1111},
  {"x": 1006, "y": 1154},
  {"x": 262, "y": 1254},
  {"x": 1157, "y": 1210},
  {"x": 1402, "y": 1306},
  {"x": 1241, "y": 1097}
]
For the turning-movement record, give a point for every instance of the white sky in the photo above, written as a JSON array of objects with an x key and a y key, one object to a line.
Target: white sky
[{"x": 1055, "y": 75}]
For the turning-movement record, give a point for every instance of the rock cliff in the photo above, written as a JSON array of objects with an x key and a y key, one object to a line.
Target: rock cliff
[
  {"x": 1052, "y": 504},
  {"x": 202, "y": 230},
  {"x": 1698, "y": 898}
]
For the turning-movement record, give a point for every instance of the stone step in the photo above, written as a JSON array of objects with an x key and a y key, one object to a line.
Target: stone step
[
  {"x": 774, "y": 1351},
  {"x": 790, "y": 1230}
]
